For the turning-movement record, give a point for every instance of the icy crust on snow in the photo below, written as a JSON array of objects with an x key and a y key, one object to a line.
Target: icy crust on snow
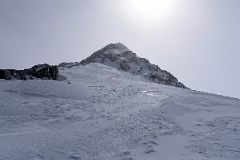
[
  {"x": 55, "y": 89},
  {"x": 101, "y": 113},
  {"x": 222, "y": 141}
]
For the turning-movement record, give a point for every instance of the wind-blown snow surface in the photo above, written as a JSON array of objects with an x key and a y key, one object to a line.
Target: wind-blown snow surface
[{"x": 101, "y": 113}]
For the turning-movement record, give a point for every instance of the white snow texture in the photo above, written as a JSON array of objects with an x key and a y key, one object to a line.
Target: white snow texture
[{"x": 102, "y": 113}]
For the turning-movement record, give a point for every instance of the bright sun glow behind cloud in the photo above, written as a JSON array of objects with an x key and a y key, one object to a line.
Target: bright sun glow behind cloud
[{"x": 149, "y": 11}]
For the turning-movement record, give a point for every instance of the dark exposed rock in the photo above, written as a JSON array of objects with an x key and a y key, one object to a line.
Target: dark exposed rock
[
  {"x": 54, "y": 73},
  {"x": 43, "y": 71},
  {"x": 68, "y": 65},
  {"x": 124, "y": 66},
  {"x": 5, "y": 74}
]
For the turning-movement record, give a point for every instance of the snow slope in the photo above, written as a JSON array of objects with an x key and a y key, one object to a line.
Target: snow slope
[{"x": 101, "y": 113}]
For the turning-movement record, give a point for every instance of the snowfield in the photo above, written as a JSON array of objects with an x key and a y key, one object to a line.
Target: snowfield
[{"x": 101, "y": 113}]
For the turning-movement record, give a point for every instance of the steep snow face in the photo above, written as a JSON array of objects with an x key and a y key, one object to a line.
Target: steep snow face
[
  {"x": 120, "y": 57},
  {"x": 101, "y": 113}
]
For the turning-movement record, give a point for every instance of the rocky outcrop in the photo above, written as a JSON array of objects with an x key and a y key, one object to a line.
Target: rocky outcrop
[
  {"x": 42, "y": 71},
  {"x": 68, "y": 65},
  {"x": 6, "y": 73}
]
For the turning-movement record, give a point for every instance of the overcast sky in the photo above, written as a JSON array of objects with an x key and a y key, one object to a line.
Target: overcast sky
[{"x": 197, "y": 41}]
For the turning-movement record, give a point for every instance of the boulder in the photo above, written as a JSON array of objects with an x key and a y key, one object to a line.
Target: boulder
[{"x": 5, "y": 74}]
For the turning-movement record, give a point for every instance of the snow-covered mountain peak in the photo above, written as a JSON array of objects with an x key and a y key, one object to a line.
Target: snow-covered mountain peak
[
  {"x": 113, "y": 48},
  {"x": 118, "y": 47},
  {"x": 120, "y": 57}
]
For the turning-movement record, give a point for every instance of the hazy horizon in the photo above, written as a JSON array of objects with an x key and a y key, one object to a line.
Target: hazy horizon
[{"x": 197, "y": 41}]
